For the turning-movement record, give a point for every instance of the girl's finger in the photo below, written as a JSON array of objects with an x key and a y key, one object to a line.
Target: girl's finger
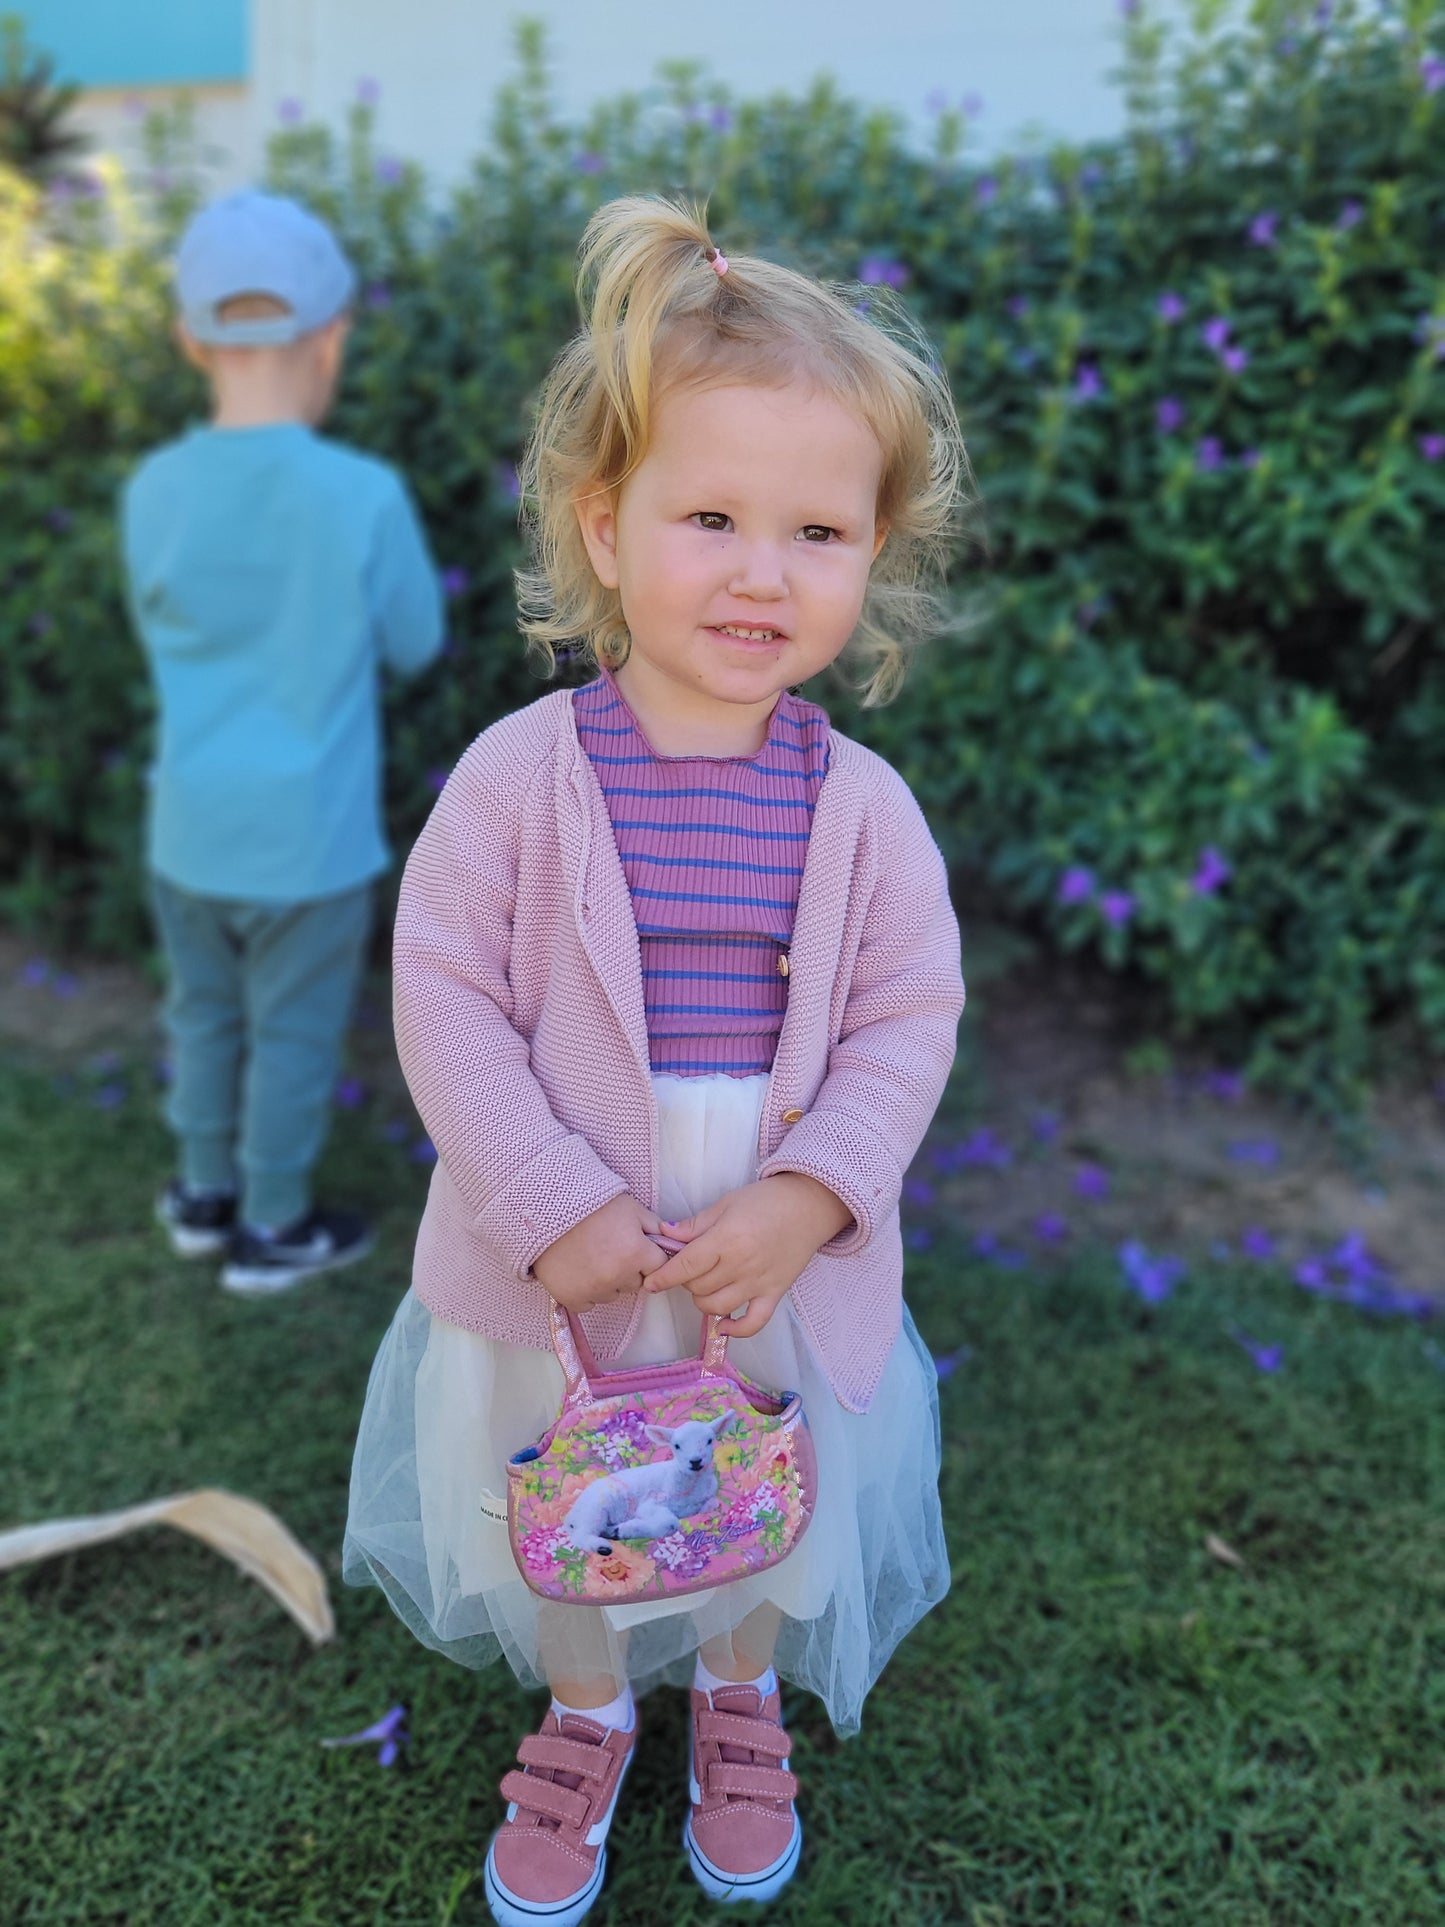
[
  {"x": 721, "y": 1300},
  {"x": 685, "y": 1267},
  {"x": 753, "y": 1319},
  {"x": 650, "y": 1258}
]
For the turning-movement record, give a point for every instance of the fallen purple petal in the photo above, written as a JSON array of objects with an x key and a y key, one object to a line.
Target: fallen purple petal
[
  {"x": 350, "y": 1093},
  {"x": 917, "y": 1191},
  {"x": 1091, "y": 1182},
  {"x": 1255, "y": 1243},
  {"x": 36, "y": 974},
  {"x": 454, "y": 581},
  {"x": 436, "y": 780},
  {"x": 64, "y": 985},
  {"x": 1254, "y": 1150},
  {"x": 108, "y": 1097},
  {"x": 1049, "y": 1228},
  {"x": 396, "y": 1131},
  {"x": 423, "y": 1151},
  {"x": 983, "y": 1149},
  {"x": 1266, "y": 1358},
  {"x": 918, "y": 1238},
  {"x": 1228, "y": 1086},
  {"x": 947, "y": 1363},
  {"x": 1150, "y": 1278},
  {"x": 387, "y": 1732},
  {"x": 1045, "y": 1126}
]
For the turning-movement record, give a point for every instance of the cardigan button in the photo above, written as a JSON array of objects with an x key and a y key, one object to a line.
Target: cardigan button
[{"x": 792, "y": 1115}]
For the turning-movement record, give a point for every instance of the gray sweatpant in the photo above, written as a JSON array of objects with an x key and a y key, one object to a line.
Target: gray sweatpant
[{"x": 259, "y": 1000}]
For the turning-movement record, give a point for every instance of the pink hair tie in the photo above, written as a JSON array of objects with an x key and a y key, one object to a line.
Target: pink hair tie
[{"x": 717, "y": 262}]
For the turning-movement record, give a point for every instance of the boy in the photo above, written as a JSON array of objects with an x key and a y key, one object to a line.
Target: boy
[{"x": 271, "y": 574}]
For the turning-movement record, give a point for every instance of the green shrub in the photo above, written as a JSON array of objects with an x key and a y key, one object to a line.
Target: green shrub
[{"x": 1190, "y": 721}]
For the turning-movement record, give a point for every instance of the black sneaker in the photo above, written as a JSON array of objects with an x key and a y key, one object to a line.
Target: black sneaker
[
  {"x": 198, "y": 1224},
  {"x": 322, "y": 1241}
]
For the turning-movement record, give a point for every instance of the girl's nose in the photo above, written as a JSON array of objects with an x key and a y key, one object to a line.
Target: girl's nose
[{"x": 758, "y": 575}]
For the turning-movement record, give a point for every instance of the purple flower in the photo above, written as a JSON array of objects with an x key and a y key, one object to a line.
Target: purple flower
[
  {"x": 506, "y": 481},
  {"x": 1235, "y": 359},
  {"x": 1017, "y": 305},
  {"x": 35, "y": 974},
  {"x": 454, "y": 581},
  {"x": 436, "y": 780},
  {"x": 350, "y": 1093},
  {"x": 1116, "y": 907},
  {"x": 984, "y": 1149},
  {"x": 163, "y": 1071},
  {"x": 1209, "y": 455},
  {"x": 1432, "y": 447},
  {"x": 1255, "y": 1243},
  {"x": 720, "y": 118},
  {"x": 1148, "y": 1277},
  {"x": 985, "y": 190},
  {"x": 1129, "y": 9},
  {"x": 1090, "y": 176},
  {"x": 377, "y": 295},
  {"x": 1250, "y": 458},
  {"x": 289, "y": 112},
  {"x": 970, "y": 104},
  {"x": 61, "y": 520},
  {"x": 1215, "y": 333},
  {"x": 1076, "y": 885},
  {"x": 918, "y": 1238},
  {"x": 1168, "y": 414},
  {"x": 1350, "y": 214},
  {"x": 1432, "y": 73},
  {"x": 108, "y": 1096},
  {"x": 1213, "y": 870},
  {"x": 368, "y": 92},
  {"x": 588, "y": 162},
  {"x": 947, "y": 1363},
  {"x": 1262, "y": 227},
  {"x": 63, "y": 984},
  {"x": 1267, "y": 1358},
  {"x": 1088, "y": 381},
  {"x": 423, "y": 1151},
  {"x": 879, "y": 271},
  {"x": 1090, "y": 1181},
  {"x": 1049, "y": 1228},
  {"x": 396, "y": 1131},
  {"x": 1045, "y": 1126},
  {"x": 1311, "y": 1275},
  {"x": 1226, "y": 1085},
  {"x": 388, "y": 1735},
  {"x": 389, "y": 170},
  {"x": 917, "y": 1191},
  {"x": 936, "y": 101},
  {"x": 1261, "y": 1151},
  {"x": 1171, "y": 307}
]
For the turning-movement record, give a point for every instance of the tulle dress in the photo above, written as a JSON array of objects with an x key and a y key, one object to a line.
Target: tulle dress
[{"x": 446, "y": 1408}]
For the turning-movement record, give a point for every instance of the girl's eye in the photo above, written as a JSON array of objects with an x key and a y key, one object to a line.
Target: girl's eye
[
  {"x": 714, "y": 523},
  {"x": 816, "y": 532}
]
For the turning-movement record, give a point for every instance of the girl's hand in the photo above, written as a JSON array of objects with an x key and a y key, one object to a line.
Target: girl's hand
[
  {"x": 750, "y": 1247},
  {"x": 603, "y": 1257}
]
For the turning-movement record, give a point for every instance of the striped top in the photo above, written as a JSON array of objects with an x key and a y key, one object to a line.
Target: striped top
[{"x": 712, "y": 848}]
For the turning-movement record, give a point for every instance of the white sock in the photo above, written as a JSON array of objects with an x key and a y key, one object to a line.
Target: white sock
[
  {"x": 618, "y": 1714},
  {"x": 706, "y": 1681}
]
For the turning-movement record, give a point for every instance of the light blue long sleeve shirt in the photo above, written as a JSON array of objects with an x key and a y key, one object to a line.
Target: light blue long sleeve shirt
[{"x": 271, "y": 575}]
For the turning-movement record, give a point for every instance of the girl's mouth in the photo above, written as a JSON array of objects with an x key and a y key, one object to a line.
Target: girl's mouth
[{"x": 747, "y": 635}]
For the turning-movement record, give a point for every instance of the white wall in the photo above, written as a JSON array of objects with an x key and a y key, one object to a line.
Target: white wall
[{"x": 438, "y": 62}]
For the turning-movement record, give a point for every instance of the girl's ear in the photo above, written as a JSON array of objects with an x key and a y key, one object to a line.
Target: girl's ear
[
  {"x": 659, "y": 1435},
  {"x": 596, "y": 512}
]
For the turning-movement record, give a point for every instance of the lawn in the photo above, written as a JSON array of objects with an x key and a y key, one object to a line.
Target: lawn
[{"x": 1103, "y": 1724}]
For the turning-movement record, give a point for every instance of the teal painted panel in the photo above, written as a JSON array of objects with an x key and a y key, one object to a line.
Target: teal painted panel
[{"x": 138, "y": 43}]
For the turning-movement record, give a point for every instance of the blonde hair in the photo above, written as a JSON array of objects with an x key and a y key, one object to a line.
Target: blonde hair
[{"x": 656, "y": 314}]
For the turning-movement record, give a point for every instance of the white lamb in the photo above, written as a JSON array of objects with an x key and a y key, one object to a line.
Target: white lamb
[{"x": 649, "y": 1501}]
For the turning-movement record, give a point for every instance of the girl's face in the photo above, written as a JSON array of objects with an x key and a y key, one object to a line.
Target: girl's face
[{"x": 740, "y": 545}]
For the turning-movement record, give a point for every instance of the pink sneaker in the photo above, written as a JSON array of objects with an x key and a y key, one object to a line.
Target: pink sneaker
[
  {"x": 547, "y": 1859},
  {"x": 743, "y": 1838}
]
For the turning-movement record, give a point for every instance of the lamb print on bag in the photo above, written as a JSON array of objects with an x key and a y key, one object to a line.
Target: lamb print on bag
[{"x": 661, "y": 1481}]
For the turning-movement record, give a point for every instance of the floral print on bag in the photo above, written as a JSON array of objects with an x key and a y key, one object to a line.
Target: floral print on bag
[{"x": 653, "y": 1492}]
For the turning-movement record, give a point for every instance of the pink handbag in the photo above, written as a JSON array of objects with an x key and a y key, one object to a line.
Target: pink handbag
[{"x": 658, "y": 1481}]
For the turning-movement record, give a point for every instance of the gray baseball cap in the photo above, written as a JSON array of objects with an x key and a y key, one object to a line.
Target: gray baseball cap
[{"x": 254, "y": 243}]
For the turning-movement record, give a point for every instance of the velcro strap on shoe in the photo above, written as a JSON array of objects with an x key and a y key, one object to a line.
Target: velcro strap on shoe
[
  {"x": 736, "y": 1729},
  {"x": 750, "y": 1782},
  {"x": 560, "y": 1755},
  {"x": 536, "y": 1795}
]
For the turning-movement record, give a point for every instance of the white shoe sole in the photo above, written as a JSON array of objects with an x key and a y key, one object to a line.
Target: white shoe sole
[
  {"x": 508, "y": 1911},
  {"x": 186, "y": 1242},
  {"x": 756, "y": 1887},
  {"x": 264, "y": 1281}
]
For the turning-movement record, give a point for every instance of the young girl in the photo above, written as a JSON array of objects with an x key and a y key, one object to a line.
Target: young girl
[{"x": 675, "y": 965}]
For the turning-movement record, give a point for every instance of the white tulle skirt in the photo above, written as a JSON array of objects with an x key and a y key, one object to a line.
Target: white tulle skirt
[{"x": 446, "y": 1408}]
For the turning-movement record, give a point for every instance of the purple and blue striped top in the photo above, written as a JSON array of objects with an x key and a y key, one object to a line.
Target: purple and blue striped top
[{"x": 712, "y": 848}]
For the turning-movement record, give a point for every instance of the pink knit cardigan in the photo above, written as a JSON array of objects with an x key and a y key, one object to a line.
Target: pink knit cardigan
[{"x": 520, "y": 1026}]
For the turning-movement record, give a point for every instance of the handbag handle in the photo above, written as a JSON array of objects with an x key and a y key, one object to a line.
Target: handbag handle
[{"x": 579, "y": 1366}]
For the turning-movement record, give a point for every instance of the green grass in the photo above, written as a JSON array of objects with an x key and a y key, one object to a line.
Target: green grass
[{"x": 1101, "y": 1725}]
